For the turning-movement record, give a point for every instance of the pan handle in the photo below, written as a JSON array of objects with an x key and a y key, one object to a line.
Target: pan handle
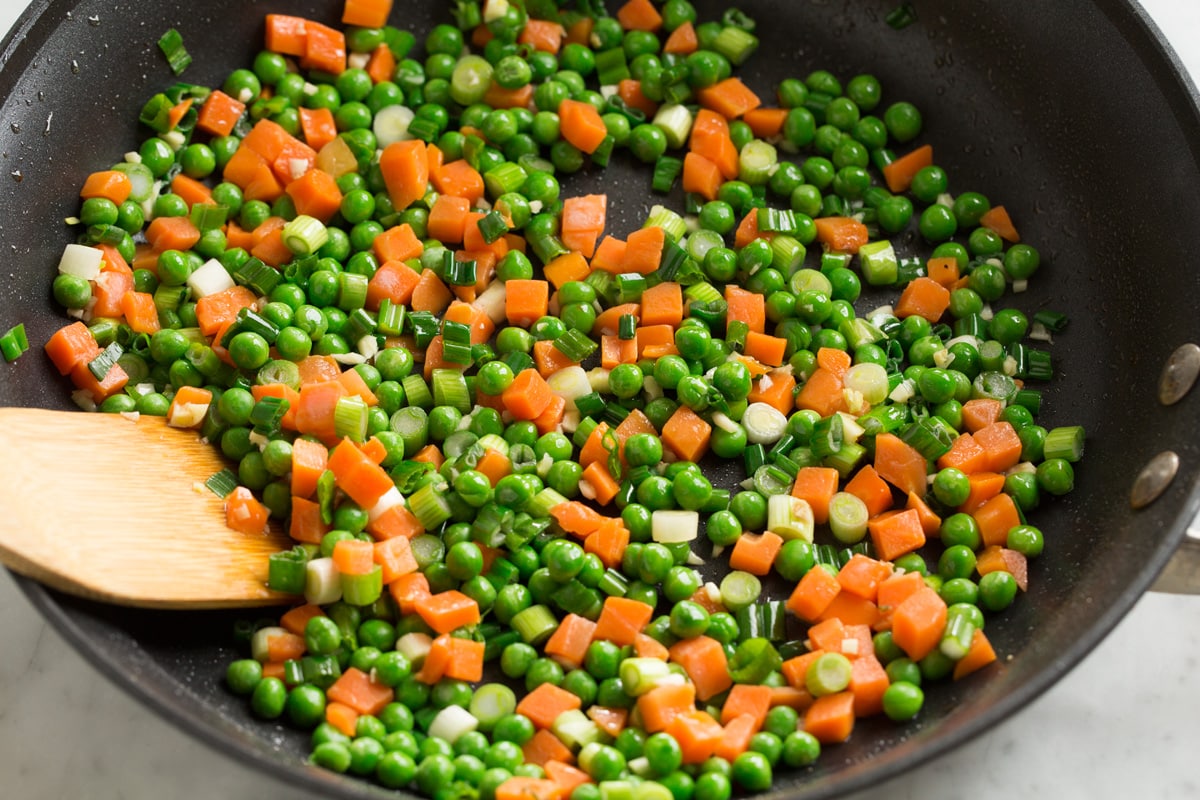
[{"x": 1182, "y": 573}]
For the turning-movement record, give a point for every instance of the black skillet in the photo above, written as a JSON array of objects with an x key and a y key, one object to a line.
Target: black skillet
[{"x": 1070, "y": 113}]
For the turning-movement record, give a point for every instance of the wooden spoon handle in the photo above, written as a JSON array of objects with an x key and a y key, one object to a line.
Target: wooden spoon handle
[{"x": 115, "y": 509}]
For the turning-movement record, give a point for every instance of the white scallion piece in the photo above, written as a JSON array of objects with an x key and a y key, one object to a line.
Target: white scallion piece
[
  {"x": 598, "y": 378},
  {"x": 494, "y": 10},
  {"x": 452, "y": 721},
  {"x": 210, "y": 278},
  {"x": 790, "y": 517},
  {"x": 869, "y": 380},
  {"x": 260, "y": 642},
  {"x": 671, "y": 526},
  {"x": 848, "y": 518},
  {"x": 491, "y": 301},
  {"x": 81, "y": 261},
  {"x": 570, "y": 383},
  {"x": 851, "y": 430},
  {"x": 322, "y": 582},
  {"x": 415, "y": 647},
  {"x": 187, "y": 415},
  {"x": 390, "y": 125},
  {"x": 764, "y": 423},
  {"x": 676, "y": 122}
]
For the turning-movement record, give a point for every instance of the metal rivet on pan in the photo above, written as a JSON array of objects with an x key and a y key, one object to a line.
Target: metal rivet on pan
[
  {"x": 1179, "y": 373},
  {"x": 1154, "y": 478}
]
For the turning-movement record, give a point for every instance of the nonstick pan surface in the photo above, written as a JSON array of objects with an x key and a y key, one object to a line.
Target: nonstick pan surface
[{"x": 1070, "y": 114}]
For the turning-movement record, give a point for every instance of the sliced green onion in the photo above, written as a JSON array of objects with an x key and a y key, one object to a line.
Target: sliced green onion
[
  {"x": 666, "y": 171},
  {"x": 790, "y": 517},
  {"x": 450, "y": 389},
  {"x": 847, "y": 459},
  {"x": 764, "y": 423},
  {"x": 492, "y": 225},
  {"x": 672, "y": 224},
  {"x": 171, "y": 44},
  {"x": 676, "y": 122},
  {"x": 627, "y": 327},
  {"x": 575, "y": 345},
  {"x": 1053, "y": 321},
  {"x": 99, "y": 366},
  {"x": 424, "y": 326},
  {"x": 753, "y": 661},
  {"x": 603, "y": 152},
  {"x": 901, "y": 16},
  {"x": 463, "y": 273},
  {"x": 576, "y": 730},
  {"x": 1041, "y": 365},
  {"x": 535, "y": 624},
  {"x": 957, "y": 637},
  {"x": 222, "y": 483},
  {"x": 305, "y": 234},
  {"x": 1065, "y": 442},
  {"x": 363, "y": 590},
  {"x": 739, "y": 589},
  {"x": 257, "y": 276},
  {"x": 879, "y": 264},
  {"x": 630, "y": 286},
  {"x": 736, "y": 44},
  {"x": 611, "y": 67},
  {"x": 287, "y": 571},
  {"x": 848, "y": 517},
  {"x": 349, "y": 418},
  {"x": 352, "y": 291},
  {"x": 640, "y": 675},
  {"x": 14, "y": 342},
  {"x": 930, "y": 436},
  {"x": 491, "y": 703},
  {"x": 267, "y": 414},
  {"x": 547, "y": 247},
  {"x": 505, "y": 177},
  {"x": 829, "y": 674},
  {"x": 757, "y": 161},
  {"x": 429, "y": 506}
]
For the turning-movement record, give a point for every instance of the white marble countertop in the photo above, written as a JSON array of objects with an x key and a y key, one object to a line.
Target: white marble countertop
[{"x": 1124, "y": 723}]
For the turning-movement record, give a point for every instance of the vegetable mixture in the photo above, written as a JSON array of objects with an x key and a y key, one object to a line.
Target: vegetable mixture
[{"x": 490, "y": 421}]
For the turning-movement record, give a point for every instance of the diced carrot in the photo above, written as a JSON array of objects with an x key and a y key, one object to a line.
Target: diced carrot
[
  {"x": 499, "y": 97},
  {"x": 795, "y": 669},
  {"x": 71, "y": 346},
  {"x": 354, "y": 557},
  {"x": 643, "y": 250},
  {"x": 943, "y": 270},
  {"x": 710, "y": 138},
  {"x": 978, "y": 656},
  {"x": 646, "y": 647},
  {"x": 630, "y": 92},
  {"x": 527, "y": 396},
  {"x": 544, "y": 747},
  {"x": 704, "y": 660},
  {"x": 930, "y": 522},
  {"x": 896, "y": 589},
  {"x": 862, "y": 575},
  {"x": 395, "y": 281},
  {"x": 662, "y": 704},
  {"x": 114, "y": 381},
  {"x": 622, "y": 619},
  {"x": 395, "y": 557},
  {"x": 900, "y": 173},
  {"x": 577, "y": 518},
  {"x": 286, "y": 34},
  {"x": 366, "y": 13},
  {"x": 868, "y": 682},
  {"x": 244, "y": 513},
  {"x": 525, "y": 301},
  {"x": 895, "y": 533},
  {"x": 918, "y": 622},
  {"x": 867, "y": 486},
  {"x": 447, "y": 611},
  {"x": 430, "y": 293},
  {"x": 140, "y": 312},
  {"x": 581, "y": 125},
  {"x": 1001, "y": 445},
  {"x": 682, "y": 40},
  {"x": 172, "y": 233},
  {"x": 687, "y": 434},
  {"x": 405, "y": 170},
  {"x": 767, "y": 349},
  {"x": 460, "y": 179},
  {"x": 188, "y": 406},
  {"x": 980, "y": 412},
  {"x": 730, "y": 98},
  {"x": 755, "y": 553},
  {"x": 983, "y": 487},
  {"x": 602, "y": 484},
  {"x": 831, "y": 717},
  {"x": 356, "y": 689},
  {"x": 448, "y": 218},
  {"x": 964, "y": 454},
  {"x": 295, "y": 620},
  {"x": 775, "y": 388},
  {"x": 766, "y": 122},
  {"x": 219, "y": 114},
  {"x": 735, "y": 739},
  {"x": 305, "y": 524},
  {"x": 852, "y": 610},
  {"x": 747, "y": 699},
  {"x": 997, "y": 219},
  {"x": 520, "y": 787},
  {"x": 994, "y": 558},
  {"x": 698, "y": 735},
  {"x": 466, "y": 659},
  {"x": 569, "y": 643},
  {"x": 923, "y": 297},
  {"x": 655, "y": 341},
  {"x": 792, "y": 697},
  {"x": 639, "y": 15},
  {"x": 611, "y": 720},
  {"x": 817, "y": 486},
  {"x": 813, "y": 594},
  {"x": 316, "y": 194},
  {"x": 542, "y": 35},
  {"x": 407, "y": 590},
  {"x": 996, "y": 518},
  {"x": 545, "y": 703},
  {"x": 610, "y": 255},
  {"x": 361, "y": 479},
  {"x": 615, "y": 350},
  {"x": 841, "y": 234},
  {"x": 324, "y": 49},
  {"x": 352, "y": 379},
  {"x": 663, "y": 304},
  {"x": 608, "y": 542},
  {"x": 701, "y": 176},
  {"x": 582, "y": 222},
  {"x": 900, "y": 464},
  {"x": 109, "y": 184},
  {"x": 745, "y": 306}
]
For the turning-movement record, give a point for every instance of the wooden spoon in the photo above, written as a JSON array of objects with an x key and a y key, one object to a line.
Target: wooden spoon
[{"x": 115, "y": 509}]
